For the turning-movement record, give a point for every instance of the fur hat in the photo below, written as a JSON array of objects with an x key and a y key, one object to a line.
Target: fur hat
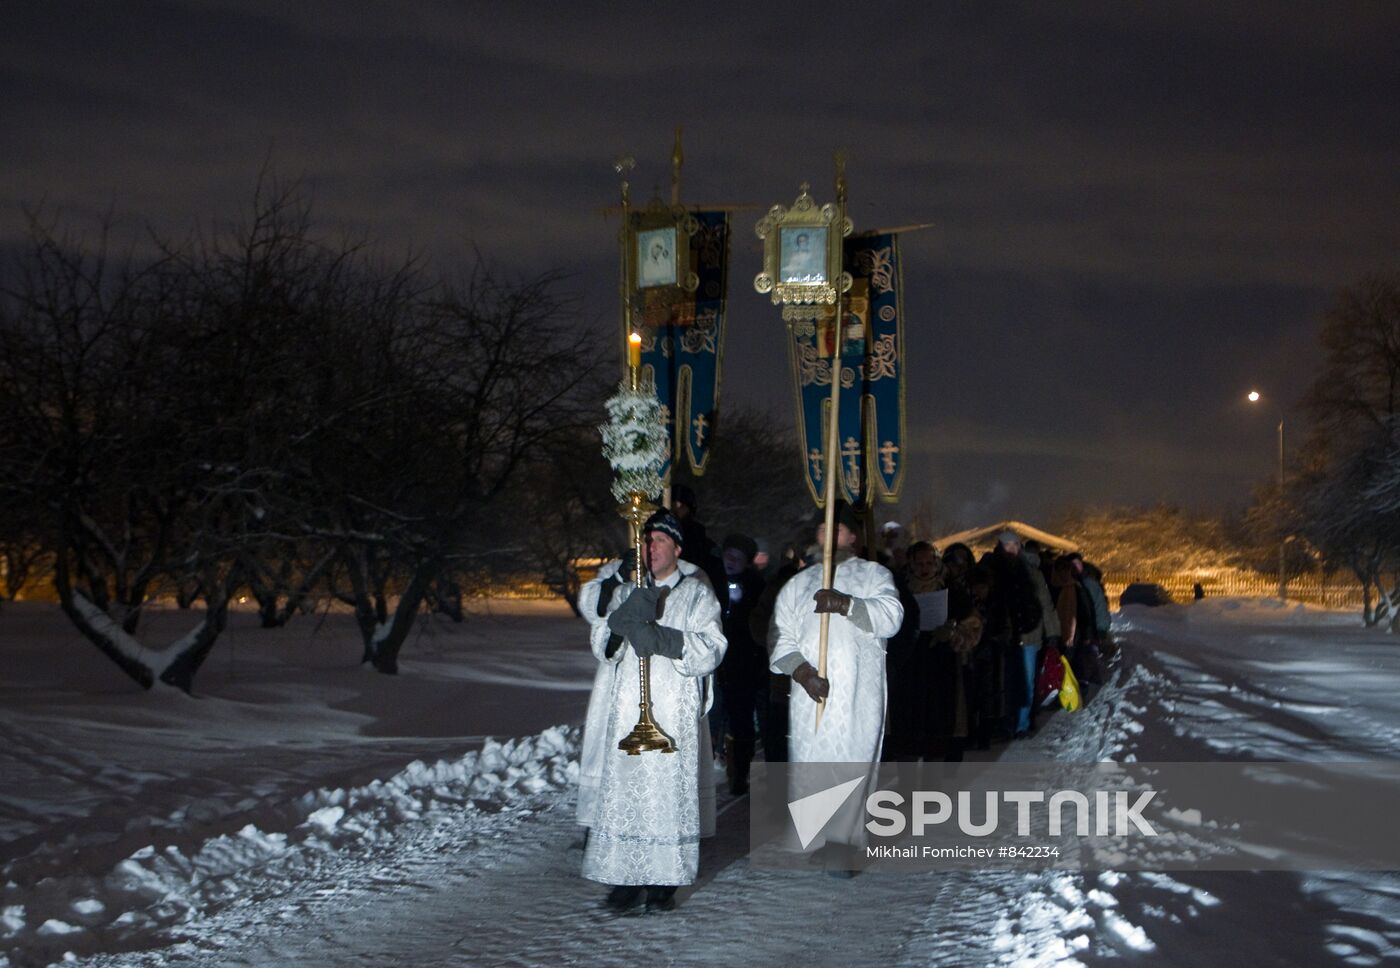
[{"x": 664, "y": 521}]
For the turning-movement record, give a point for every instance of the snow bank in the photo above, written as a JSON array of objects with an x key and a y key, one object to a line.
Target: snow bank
[
  {"x": 157, "y": 887},
  {"x": 1266, "y": 611}
]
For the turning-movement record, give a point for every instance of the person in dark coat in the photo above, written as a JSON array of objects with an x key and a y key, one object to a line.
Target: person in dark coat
[
  {"x": 743, "y": 675},
  {"x": 1013, "y": 610},
  {"x": 698, "y": 548},
  {"x": 923, "y": 669},
  {"x": 775, "y": 730}
]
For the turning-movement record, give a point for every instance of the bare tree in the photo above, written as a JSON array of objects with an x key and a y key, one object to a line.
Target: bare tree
[
  {"x": 416, "y": 457},
  {"x": 753, "y": 482},
  {"x": 567, "y": 501},
  {"x": 97, "y": 421},
  {"x": 1358, "y": 387},
  {"x": 1345, "y": 498}
]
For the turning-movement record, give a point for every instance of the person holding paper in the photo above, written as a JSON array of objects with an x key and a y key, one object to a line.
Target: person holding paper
[{"x": 923, "y": 671}]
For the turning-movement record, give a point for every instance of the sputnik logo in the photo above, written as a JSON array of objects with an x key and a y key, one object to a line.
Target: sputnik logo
[{"x": 811, "y": 813}]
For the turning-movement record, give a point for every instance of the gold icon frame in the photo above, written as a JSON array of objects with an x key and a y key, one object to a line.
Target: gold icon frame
[{"x": 789, "y": 275}]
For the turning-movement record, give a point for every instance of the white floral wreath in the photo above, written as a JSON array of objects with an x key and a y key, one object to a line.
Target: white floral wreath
[{"x": 635, "y": 441}]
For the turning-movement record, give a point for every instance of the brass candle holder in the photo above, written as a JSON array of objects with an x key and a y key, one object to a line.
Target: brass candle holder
[{"x": 646, "y": 736}]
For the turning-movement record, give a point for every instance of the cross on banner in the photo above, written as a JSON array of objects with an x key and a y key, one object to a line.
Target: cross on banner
[
  {"x": 872, "y": 378},
  {"x": 887, "y": 452},
  {"x": 850, "y": 450}
]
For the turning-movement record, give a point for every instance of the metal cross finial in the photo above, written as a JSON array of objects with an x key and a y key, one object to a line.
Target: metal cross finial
[{"x": 622, "y": 166}]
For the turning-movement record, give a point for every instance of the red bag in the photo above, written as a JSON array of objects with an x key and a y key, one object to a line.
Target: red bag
[{"x": 1051, "y": 676}]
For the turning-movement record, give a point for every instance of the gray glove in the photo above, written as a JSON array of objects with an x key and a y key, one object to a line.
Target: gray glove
[
  {"x": 639, "y": 607},
  {"x": 670, "y": 642},
  {"x": 649, "y": 638},
  {"x": 644, "y": 637}
]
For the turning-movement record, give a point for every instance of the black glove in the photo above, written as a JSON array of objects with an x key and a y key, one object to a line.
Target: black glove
[
  {"x": 611, "y": 583},
  {"x": 806, "y": 676},
  {"x": 651, "y": 638},
  {"x": 605, "y": 594},
  {"x": 830, "y": 600},
  {"x": 614, "y": 642},
  {"x": 639, "y": 607}
]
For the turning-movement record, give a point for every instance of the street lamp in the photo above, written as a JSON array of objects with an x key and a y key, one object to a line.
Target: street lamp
[{"x": 1254, "y": 397}]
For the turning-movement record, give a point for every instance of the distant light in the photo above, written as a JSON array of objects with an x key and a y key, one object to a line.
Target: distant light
[{"x": 1253, "y": 396}]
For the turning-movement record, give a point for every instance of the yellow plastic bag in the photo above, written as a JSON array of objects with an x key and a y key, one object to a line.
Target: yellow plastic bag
[{"x": 1069, "y": 689}]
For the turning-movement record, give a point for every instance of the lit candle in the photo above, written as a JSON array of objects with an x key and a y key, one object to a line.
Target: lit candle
[{"x": 634, "y": 350}]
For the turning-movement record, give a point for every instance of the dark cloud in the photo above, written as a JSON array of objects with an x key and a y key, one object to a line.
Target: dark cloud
[{"x": 1139, "y": 210}]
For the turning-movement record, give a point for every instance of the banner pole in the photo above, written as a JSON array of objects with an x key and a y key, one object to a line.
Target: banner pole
[{"x": 833, "y": 439}]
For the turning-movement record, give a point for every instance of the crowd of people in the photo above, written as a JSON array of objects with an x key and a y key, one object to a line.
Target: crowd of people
[
  {"x": 979, "y": 672},
  {"x": 929, "y": 655}
]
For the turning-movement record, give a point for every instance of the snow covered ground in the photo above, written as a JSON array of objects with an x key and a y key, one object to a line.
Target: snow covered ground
[{"x": 300, "y": 807}]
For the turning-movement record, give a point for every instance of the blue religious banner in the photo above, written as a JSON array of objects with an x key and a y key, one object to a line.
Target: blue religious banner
[
  {"x": 683, "y": 344},
  {"x": 871, "y": 420}
]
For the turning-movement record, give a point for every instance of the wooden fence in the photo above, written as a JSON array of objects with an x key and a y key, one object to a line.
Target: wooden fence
[{"x": 1307, "y": 589}]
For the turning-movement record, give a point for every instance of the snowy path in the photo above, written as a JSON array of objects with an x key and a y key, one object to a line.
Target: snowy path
[
  {"x": 511, "y": 895},
  {"x": 475, "y": 860}
]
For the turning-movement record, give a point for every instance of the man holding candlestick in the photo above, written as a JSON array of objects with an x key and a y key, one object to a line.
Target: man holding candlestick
[{"x": 652, "y": 808}]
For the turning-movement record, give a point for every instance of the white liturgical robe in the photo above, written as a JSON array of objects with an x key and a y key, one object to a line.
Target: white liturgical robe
[
  {"x": 853, "y": 724},
  {"x": 647, "y": 821}
]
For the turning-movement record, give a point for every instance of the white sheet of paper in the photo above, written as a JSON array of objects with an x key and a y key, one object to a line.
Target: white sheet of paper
[{"x": 933, "y": 609}]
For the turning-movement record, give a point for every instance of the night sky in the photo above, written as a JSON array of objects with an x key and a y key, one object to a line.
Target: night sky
[{"x": 1141, "y": 211}]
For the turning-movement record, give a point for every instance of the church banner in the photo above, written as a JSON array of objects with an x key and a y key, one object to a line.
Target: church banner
[
  {"x": 871, "y": 432},
  {"x": 683, "y": 344}
]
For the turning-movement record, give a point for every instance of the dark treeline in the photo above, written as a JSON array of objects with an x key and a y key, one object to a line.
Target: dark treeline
[
  {"x": 1338, "y": 511},
  {"x": 258, "y": 410},
  {"x": 1341, "y": 500}
]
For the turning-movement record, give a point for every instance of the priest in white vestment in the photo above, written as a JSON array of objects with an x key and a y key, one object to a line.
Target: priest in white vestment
[
  {"x": 865, "y": 611},
  {"x": 594, "y": 597},
  {"x": 647, "y": 819}
]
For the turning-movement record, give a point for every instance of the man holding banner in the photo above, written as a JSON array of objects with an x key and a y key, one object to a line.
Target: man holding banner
[{"x": 865, "y": 611}]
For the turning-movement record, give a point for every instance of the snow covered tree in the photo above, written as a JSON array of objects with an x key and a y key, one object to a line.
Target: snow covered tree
[
  {"x": 1142, "y": 541},
  {"x": 257, "y": 407}
]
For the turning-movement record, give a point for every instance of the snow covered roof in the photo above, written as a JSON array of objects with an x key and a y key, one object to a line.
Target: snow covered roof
[{"x": 987, "y": 534}]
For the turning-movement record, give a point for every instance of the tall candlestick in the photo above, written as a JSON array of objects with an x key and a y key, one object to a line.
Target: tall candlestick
[{"x": 634, "y": 350}]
